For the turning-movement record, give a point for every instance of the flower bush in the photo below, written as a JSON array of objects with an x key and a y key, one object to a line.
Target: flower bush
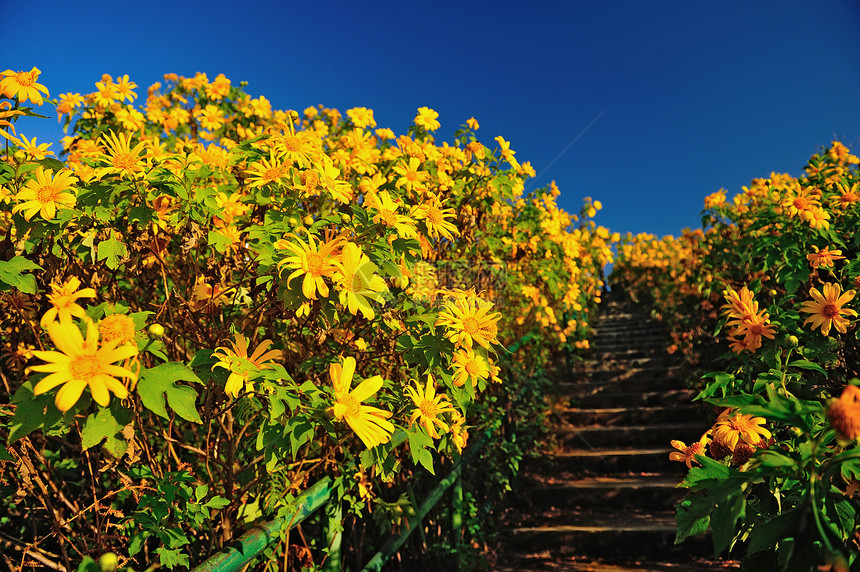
[
  {"x": 767, "y": 288},
  {"x": 209, "y": 304}
]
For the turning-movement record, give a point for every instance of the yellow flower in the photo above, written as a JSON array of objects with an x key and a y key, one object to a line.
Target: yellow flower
[
  {"x": 369, "y": 423},
  {"x": 469, "y": 322},
  {"x": 687, "y": 454},
  {"x": 459, "y": 433},
  {"x": 316, "y": 263},
  {"x": 119, "y": 328},
  {"x": 63, "y": 301},
  {"x": 469, "y": 366},
  {"x": 361, "y": 117},
  {"x": 436, "y": 218},
  {"x": 827, "y": 309},
  {"x": 387, "y": 214},
  {"x": 824, "y": 257},
  {"x": 473, "y": 124},
  {"x": 44, "y": 193},
  {"x": 211, "y": 117},
  {"x": 844, "y": 413},
  {"x": 428, "y": 407},
  {"x": 80, "y": 363},
  {"x": 4, "y": 121},
  {"x": 732, "y": 427},
  {"x": 265, "y": 171},
  {"x": 358, "y": 281},
  {"x": 410, "y": 174},
  {"x": 240, "y": 365},
  {"x": 30, "y": 147},
  {"x": 121, "y": 157},
  {"x": 427, "y": 118},
  {"x": 124, "y": 88},
  {"x": 23, "y": 86}
]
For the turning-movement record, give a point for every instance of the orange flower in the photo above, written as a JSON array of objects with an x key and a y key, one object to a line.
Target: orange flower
[
  {"x": 732, "y": 428},
  {"x": 844, "y": 413},
  {"x": 687, "y": 454},
  {"x": 824, "y": 257}
]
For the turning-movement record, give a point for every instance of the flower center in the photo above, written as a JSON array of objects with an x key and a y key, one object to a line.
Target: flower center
[
  {"x": 434, "y": 215},
  {"x": 46, "y": 194},
  {"x": 357, "y": 283},
  {"x": 315, "y": 264},
  {"x": 428, "y": 408},
  {"x": 411, "y": 176},
  {"x": 471, "y": 367},
  {"x": 800, "y": 203},
  {"x": 292, "y": 143},
  {"x": 272, "y": 174},
  {"x": 124, "y": 161},
  {"x": 471, "y": 325},
  {"x": 388, "y": 217},
  {"x": 24, "y": 79},
  {"x": 84, "y": 367},
  {"x": 830, "y": 310},
  {"x": 352, "y": 405}
]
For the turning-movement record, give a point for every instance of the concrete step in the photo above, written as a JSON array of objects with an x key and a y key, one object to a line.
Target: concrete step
[
  {"x": 606, "y": 535},
  {"x": 646, "y": 436},
  {"x": 613, "y": 416},
  {"x": 651, "y": 492},
  {"x": 616, "y": 385},
  {"x": 664, "y": 398},
  {"x": 608, "y": 462}
]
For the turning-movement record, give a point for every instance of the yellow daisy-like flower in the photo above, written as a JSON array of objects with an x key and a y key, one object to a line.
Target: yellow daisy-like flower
[
  {"x": 467, "y": 323},
  {"x": 23, "y": 86},
  {"x": 411, "y": 174},
  {"x": 361, "y": 117},
  {"x": 44, "y": 193},
  {"x": 81, "y": 363},
  {"x": 827, "y": 308},
  {"x": 844, "y": 413},
  {"x": 119, "y": 328},
  {"x": 63, "y": 301},
  {"x": 358, "y": 282},
  {"x": 469, "y": 366},
  {"x": 436, "y": 218},
  {"x": 732, "y": 427},
  {"x": 369, "y": 423},
  {"x": 315, "y": 262},
  {"x": 824, "y": 257},
  {"x": 240, "y": 365},
  {"x": 121, "y": 157},
  {"x": 427, "y": 118},
  {"x": 428, "y": 407},
  {"x": 265, "y": 171},
  {"x": 459, "y": 433},
  {"x": 211, "y": 117},
  {"x": 34, "y": 150},
  {"x": 387, "y": 214},
  {"x": 687, "y": 454}
]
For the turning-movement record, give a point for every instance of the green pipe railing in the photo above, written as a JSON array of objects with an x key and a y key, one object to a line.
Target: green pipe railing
[{"x": 252, "y": 543}]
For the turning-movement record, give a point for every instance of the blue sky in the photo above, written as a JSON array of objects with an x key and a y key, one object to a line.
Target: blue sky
[{"x": 694, "y": 96}]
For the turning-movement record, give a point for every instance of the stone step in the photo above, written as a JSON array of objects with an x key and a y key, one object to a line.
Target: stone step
[
  {"x": 609, "y": 462},
  {"x": 653, "y": 435},
  {"x": 612, "y": 416},
  {"x": 618, "y": 362},
  {"x": 606, "y": 535},
  {"x": 663, "y": 398},
  {"x": 651, "y": 492},
  {"x": 580, "y": 390},
  {"x": 629, "y": 373},
  {"x": 601, "y": 354}
]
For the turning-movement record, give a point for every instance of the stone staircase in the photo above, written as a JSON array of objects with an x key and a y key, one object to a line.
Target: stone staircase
[{"x": 604, "y": 498}]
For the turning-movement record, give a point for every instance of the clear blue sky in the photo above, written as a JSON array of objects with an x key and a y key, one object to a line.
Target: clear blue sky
[{"x": 697, "y": 95}]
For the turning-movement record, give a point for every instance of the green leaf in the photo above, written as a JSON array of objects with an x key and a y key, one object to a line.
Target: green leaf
[
  {"x": 217, "y": 502},
  {"x": 806, "y": 364},
  {"x": 781, "y": 527},
  {"x": 172, "y": 557},
  {"x": 112, "y": 251},
  {"x": 692, "y": 517},
  {"x": 11, "y": 273},
  {"x": 724, "y": 518},
  {"x": 88, "y": 565},
  {"x": 105, "y": 425},
  {"x": 159, "y": 382},
  {"x": 32, "y": 412}
]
